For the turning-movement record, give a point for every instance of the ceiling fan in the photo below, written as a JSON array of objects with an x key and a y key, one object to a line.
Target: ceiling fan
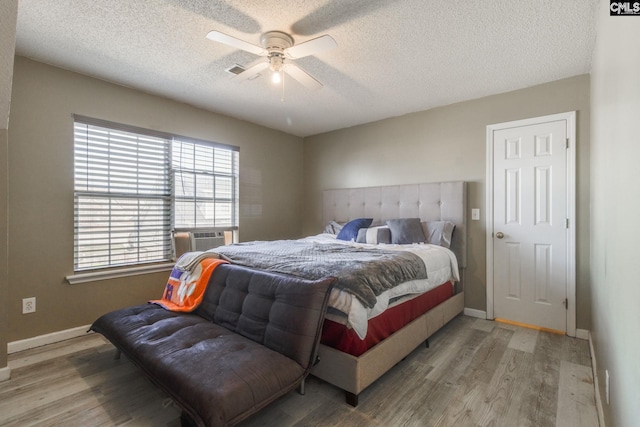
[{"x": 279, "y": 49}]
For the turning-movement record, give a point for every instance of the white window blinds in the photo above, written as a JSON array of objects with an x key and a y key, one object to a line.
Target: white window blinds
[{"x": 132, "y": 186}]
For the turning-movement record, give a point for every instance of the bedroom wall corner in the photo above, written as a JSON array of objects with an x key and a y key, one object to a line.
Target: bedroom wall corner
[
  {"x": 8, "y": 19},
  {"x": 4, "y": 277}
]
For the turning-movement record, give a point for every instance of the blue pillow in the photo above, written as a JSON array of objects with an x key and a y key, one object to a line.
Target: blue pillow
[{"x": 350, "y": 229}]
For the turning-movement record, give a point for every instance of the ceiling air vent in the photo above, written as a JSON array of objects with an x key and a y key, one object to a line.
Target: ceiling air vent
[{"x": 236, "y": 69}]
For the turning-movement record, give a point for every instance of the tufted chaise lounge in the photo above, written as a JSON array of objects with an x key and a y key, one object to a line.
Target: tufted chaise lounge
[{"x": 253, "y": 339}]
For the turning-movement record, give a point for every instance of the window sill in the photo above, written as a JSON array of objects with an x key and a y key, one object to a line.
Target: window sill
[{"x": 95, "y": 276}]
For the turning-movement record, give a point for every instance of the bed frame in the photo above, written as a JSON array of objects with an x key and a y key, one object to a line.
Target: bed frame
[{"x": 429, "y": 202}]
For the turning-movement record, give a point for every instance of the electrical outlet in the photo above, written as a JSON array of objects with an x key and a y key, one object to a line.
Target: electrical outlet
[
  {"x": 28, "y": 305},
  {"x": 606, "y": 383},
  {"x": 475, "y": 214}
]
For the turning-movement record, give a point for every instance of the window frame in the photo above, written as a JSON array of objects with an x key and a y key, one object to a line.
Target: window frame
[{"x": 164, "y": 262}]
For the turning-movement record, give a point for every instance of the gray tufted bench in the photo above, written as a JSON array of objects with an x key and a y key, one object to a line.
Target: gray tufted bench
[{"x": 253, "y": 339}]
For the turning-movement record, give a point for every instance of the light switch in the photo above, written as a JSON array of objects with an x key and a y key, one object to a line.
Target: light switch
[{"x": 475, "y": 214}]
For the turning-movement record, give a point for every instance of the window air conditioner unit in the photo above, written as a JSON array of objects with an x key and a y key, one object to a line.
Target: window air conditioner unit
[{"x": 189, "y": 241}]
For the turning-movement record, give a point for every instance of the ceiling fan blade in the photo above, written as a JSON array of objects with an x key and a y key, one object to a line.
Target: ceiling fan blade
[
  {"x": 311, "y": 47},
  {"x": 223, "y": 38},
  {"x": 304, "y": 78},
  {"x": 251, "y": 71}
]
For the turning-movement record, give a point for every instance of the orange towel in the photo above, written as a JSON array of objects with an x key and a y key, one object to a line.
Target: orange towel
[{"x": 185, "y": 289}]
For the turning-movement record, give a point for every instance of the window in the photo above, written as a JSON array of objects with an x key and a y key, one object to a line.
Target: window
[
  {"x": 133, "y": 186},
  {"x": 204, "y": 178}
]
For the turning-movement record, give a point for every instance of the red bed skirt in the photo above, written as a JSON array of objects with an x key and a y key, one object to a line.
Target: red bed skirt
[{"x": 380, "y": 327}]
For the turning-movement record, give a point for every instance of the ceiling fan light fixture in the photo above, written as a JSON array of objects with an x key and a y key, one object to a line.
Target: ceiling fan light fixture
[
  {"x": 276, "y": 63},
  {"x": 276, "y": 78}
]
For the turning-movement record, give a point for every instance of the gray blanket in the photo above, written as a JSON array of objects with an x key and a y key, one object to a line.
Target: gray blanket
[{"x": 363, "y": 272}]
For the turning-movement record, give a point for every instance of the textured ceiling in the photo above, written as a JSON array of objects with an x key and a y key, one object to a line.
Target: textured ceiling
[{"x": 393, "y": 57}]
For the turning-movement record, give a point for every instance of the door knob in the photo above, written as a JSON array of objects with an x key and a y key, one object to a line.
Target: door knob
[{"x": 499, "y": 234}]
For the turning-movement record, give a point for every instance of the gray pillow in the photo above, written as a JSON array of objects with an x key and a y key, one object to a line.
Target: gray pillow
[
  {"x": 374, "y": 235},
  {"x": 439, "y": 232},
  {"x": 406, "y": 231},
  {"x": 333, "y": 228}
]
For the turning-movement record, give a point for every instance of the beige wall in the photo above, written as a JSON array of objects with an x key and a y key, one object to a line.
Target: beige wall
[
  {"x": 41, "y": 189},
  {"x": 615, "y": 228},
  {"x": 445, "y": 144},
  {"x": 8, "y": 17}
]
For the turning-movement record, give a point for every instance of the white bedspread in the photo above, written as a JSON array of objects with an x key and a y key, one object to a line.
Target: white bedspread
[{"x": 441, "y": 264}]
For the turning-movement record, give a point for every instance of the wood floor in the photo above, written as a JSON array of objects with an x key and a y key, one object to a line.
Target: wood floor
[{"x": 475, "y": 373}]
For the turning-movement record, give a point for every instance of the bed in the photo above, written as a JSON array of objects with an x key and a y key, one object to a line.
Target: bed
[{"x": 415, "y": 307}]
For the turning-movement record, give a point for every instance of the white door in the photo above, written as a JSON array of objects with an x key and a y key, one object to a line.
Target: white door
[{"x": 530, "y": 236}]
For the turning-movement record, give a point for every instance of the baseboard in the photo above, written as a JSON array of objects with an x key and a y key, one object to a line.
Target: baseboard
[
  {"x": 582, "y": 334},
  {"x": 5, "y": 373},
  {"x": 39, "y": 341},
  {"x": 596, "y": 383},
  {"x": 472, "y": 312}
]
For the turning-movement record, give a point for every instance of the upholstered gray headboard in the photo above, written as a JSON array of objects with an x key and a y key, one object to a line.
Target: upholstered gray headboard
[{"x": 436, "y": 201}]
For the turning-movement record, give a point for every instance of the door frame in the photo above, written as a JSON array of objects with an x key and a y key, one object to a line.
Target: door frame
[{"x": 570, "y": 118}]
